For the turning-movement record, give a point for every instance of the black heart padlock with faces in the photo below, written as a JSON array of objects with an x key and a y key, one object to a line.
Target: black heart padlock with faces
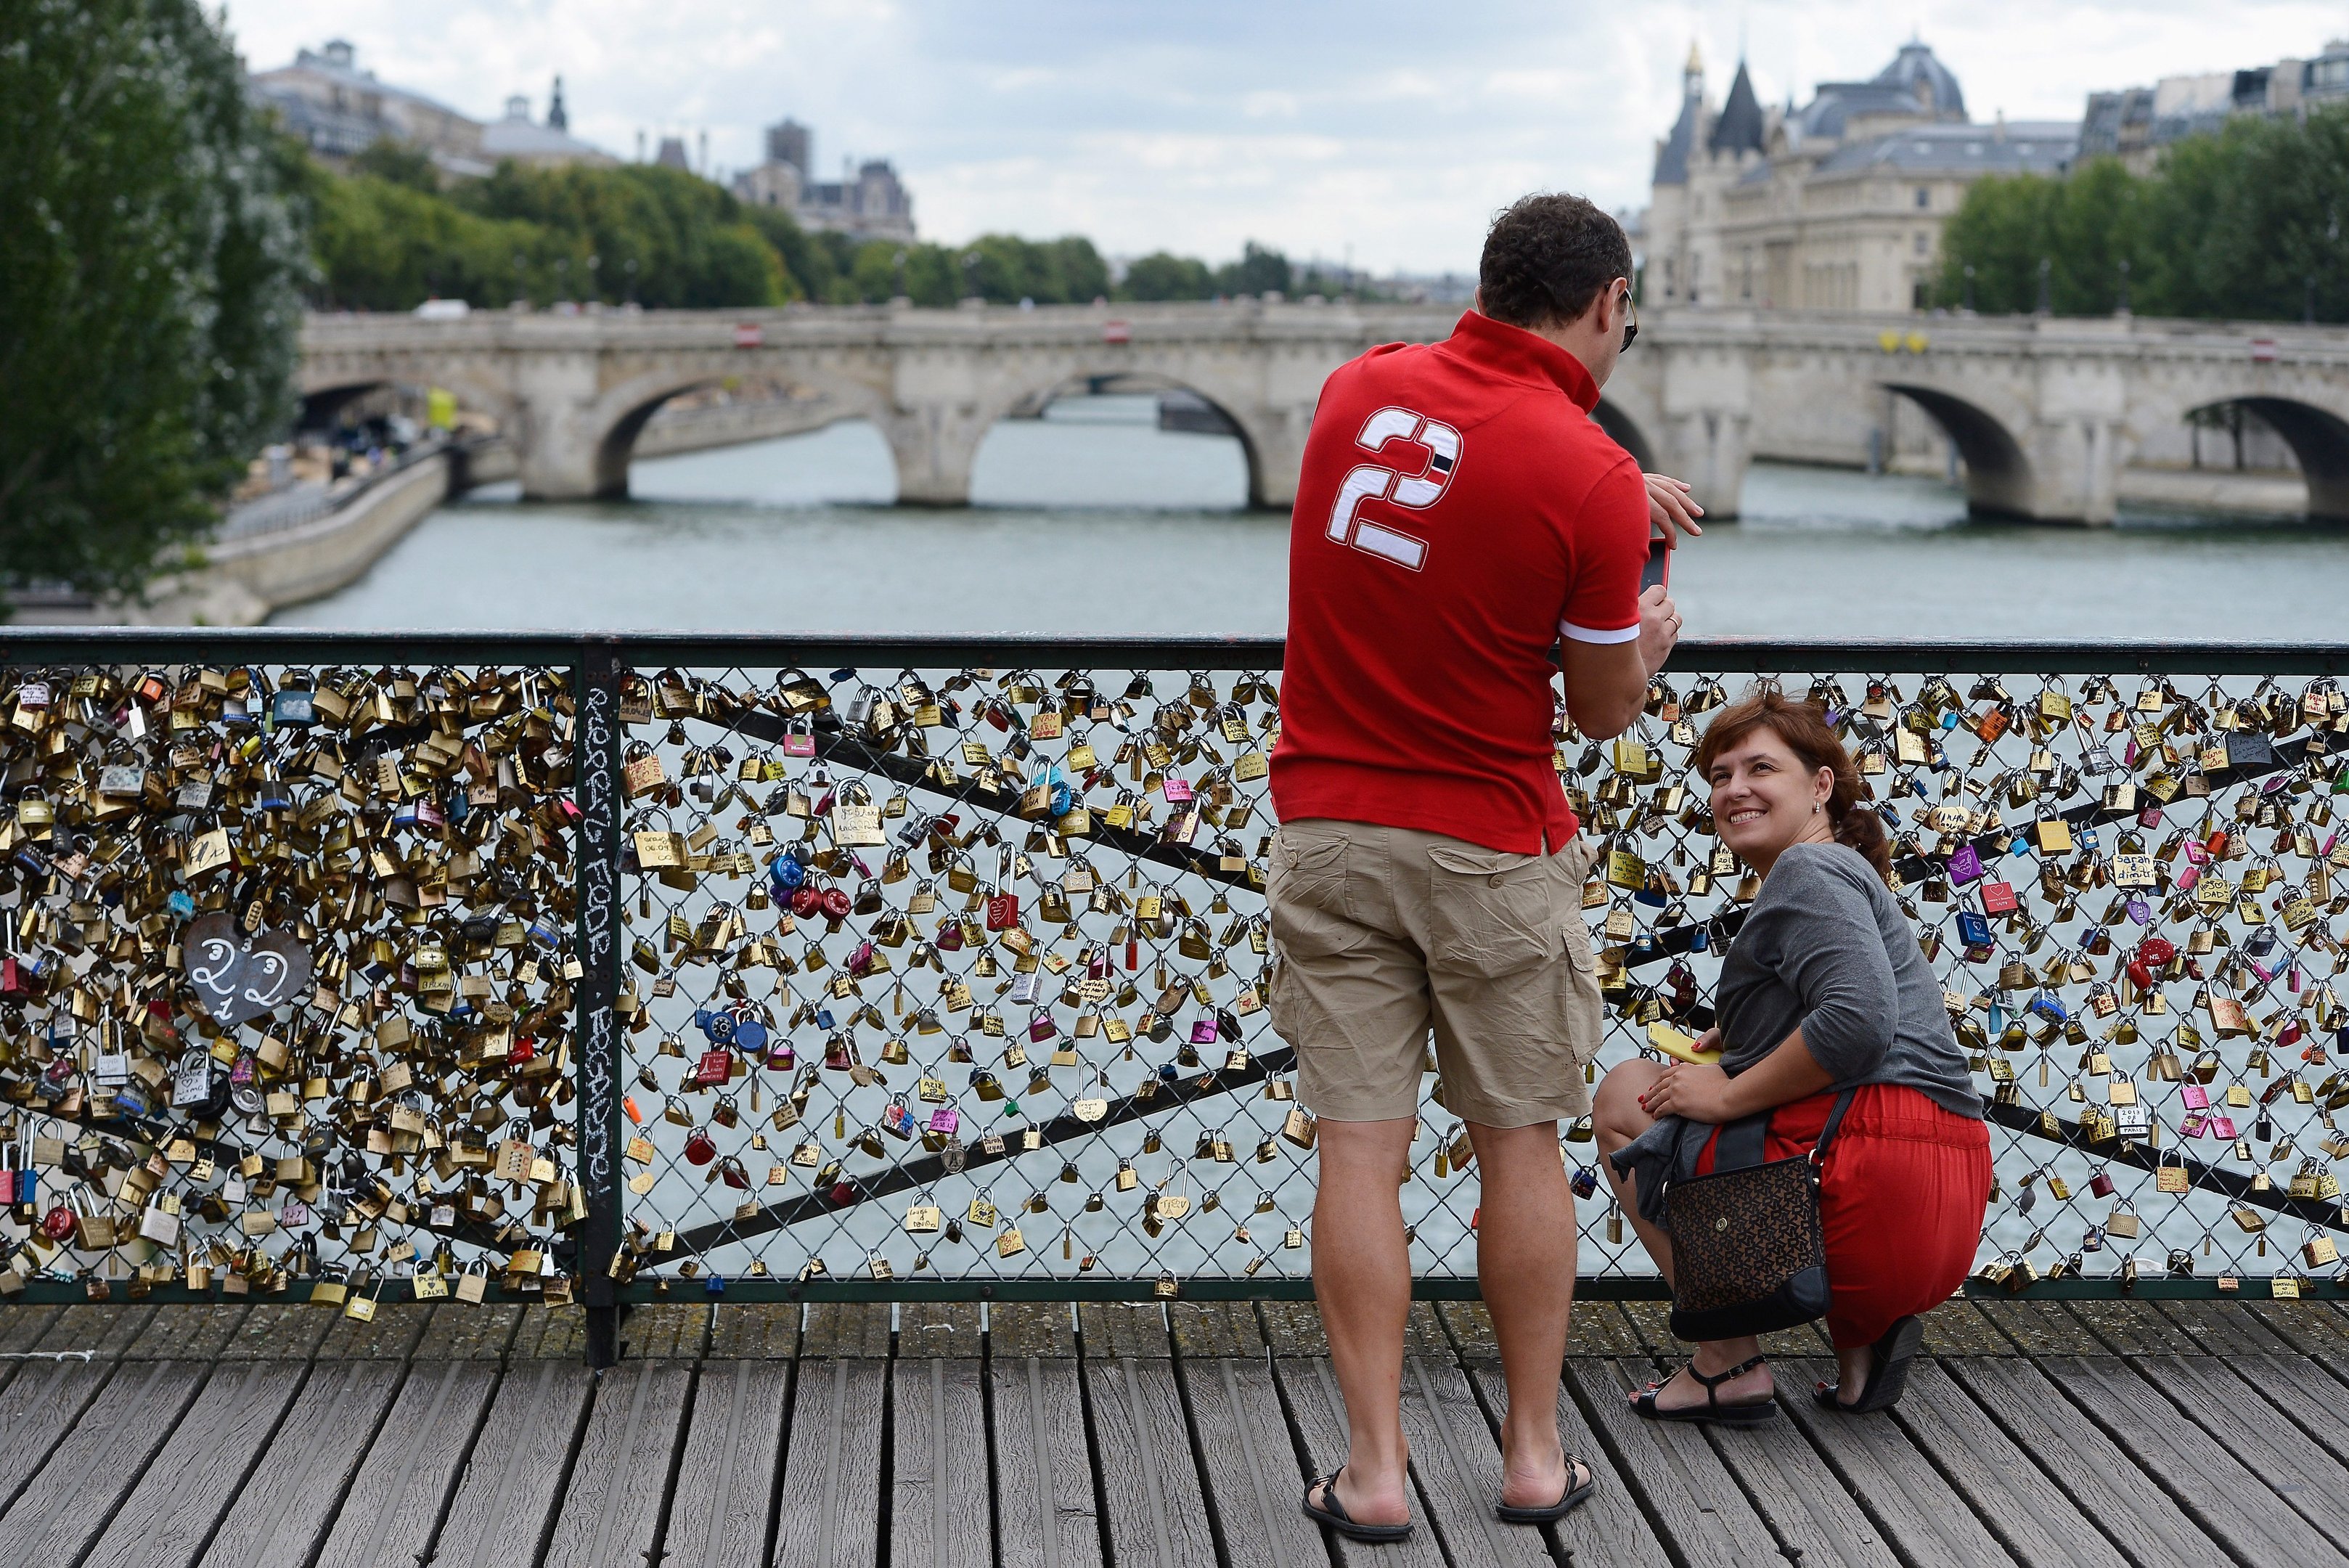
[{"x": 239, "y": 975}]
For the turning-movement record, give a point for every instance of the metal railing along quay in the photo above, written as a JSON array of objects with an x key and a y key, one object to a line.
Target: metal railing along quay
[{"x": 624, "y": 968}]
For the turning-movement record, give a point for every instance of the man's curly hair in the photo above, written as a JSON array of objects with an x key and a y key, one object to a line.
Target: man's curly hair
[{"x": 1546, "y": 259}]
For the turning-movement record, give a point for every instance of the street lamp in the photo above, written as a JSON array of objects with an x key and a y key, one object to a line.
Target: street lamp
[
  {"x": 1969, "y": 288},
  {"x": 2046, "y": 286},
  {"x": 520, "y": 263},
  {"x": 2123, "y": 309},
  {"x": 970, "y": 275}
]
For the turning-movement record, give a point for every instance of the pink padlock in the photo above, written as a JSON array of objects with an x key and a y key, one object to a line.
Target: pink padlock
[{"x": 944, "y": 1120}]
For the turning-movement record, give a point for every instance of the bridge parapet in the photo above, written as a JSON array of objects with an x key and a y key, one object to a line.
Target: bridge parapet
[{"x": 2046, "y": 411}]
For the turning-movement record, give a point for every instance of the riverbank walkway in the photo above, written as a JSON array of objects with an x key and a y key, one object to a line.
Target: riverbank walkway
[{"x": 2089, "y": 1433}]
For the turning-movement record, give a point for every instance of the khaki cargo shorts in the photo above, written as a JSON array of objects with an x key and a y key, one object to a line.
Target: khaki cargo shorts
[{"x": 1384, "y": 933}]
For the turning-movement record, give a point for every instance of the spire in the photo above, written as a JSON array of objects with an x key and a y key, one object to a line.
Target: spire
[
  {"x": 1739, "y": 128},
  {"x": 556, "y": 119}
]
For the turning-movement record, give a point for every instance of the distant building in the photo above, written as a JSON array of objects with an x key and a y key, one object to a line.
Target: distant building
[
  {"x": 789, "y": 143},
  {"x": 871, "y": 203},
  {"x": 672, "y": 154},
  {"x": 2135, "y": 124},
  {"x": 542, "y": 146},
  {"x": 339, "y": 111},
  {"x": 1838, "y": 205}
]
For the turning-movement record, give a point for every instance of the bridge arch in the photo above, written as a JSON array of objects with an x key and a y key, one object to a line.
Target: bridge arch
[
  {"x": 2319, "y": 439},
  {"x": 1999, "y": 478},
  {"x": 618, "y": 416},
  {"x": 1229, "y": 411}
]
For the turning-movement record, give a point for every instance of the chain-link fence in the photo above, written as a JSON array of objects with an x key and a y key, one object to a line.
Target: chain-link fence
[{"x": 632, "y": 966}]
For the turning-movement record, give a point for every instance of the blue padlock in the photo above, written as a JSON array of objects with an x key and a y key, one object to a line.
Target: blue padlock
[
  {"x": 749, "y": 1034},
  {"x": 715, "y": 1022},
  {"x": 1973, "y": 930},
  {"x": 784, "y": 874}
]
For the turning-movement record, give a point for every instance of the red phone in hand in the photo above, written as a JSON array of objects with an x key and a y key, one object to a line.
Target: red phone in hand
[{"x": 1659, "y": 569}]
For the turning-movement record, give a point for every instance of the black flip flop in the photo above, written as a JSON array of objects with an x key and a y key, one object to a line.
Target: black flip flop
[
  {"x": 1574, "y": 1498},
  {"x": 1333, "y": 1513},
  {"x": 1888, "y": 1371},
  {"x": 1748, "y": 1412}
]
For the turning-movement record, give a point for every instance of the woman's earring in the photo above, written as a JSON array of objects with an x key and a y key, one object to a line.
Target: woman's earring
[{"x": 1818, "y": 806}]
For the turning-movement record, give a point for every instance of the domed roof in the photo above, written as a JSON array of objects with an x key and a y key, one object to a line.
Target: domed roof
[{"x": 1915, "y": 64}]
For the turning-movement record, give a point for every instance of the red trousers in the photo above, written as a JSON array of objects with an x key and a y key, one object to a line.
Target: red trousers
[{"x": 1900, "y": 1198}]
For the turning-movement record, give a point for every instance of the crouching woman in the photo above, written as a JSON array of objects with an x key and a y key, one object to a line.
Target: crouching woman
[{"x": 1824, "y": 989}]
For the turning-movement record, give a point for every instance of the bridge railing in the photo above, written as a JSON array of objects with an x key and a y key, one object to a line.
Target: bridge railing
[{"x": 614, "y": 968}]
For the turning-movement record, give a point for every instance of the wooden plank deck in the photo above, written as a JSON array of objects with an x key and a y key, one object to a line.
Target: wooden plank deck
[{"x": 2092, "y": 1435}]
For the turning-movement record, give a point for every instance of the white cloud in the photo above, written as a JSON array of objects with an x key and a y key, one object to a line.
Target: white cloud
[{"x": 1316, "y": 127}]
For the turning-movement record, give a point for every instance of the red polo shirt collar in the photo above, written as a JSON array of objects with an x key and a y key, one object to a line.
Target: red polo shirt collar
[{"x": 1514, "y": 352}]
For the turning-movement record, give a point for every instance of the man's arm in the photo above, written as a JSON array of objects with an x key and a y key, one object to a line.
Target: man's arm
[
  {"x": 1615, "y": 636},
  {"x": 1607, "y": 683}
]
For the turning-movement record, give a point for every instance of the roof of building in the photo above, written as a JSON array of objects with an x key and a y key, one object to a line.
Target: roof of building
[
  {"x": 331, "y": 65},
  {"x": 1915, "y": 64},
  {"x": 2033, "y": 147},
  {"x": 516, "y": 136},
  {"x": 1673, "y": 156},
  {"x": 1914, "y": 83},
  {"x": 1739, "y": 128}
]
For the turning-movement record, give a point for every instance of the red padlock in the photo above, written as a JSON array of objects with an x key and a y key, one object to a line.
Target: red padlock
[
  {"x": 834, "y": 904},
  {"x": 58, "y": 1223},
  {"x": 701, "y": 1148},
  {"x": 805, "y": 900},
  {"x": 717, "y": 1065},
  {"x": 1002, "y": 911},
  {"x": 951, "y": 938}
]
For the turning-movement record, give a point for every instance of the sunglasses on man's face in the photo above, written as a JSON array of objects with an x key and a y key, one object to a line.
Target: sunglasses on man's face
[{"x": 1631, "y": 321}]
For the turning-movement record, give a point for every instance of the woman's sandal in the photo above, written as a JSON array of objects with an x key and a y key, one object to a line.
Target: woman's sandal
[
  {"x": 1888, "y": 1371},
  {"x": 1332, "y": 1513},
  {"x": 1745, "y": 1413},
  {"x": 1574, "y": 1498}
]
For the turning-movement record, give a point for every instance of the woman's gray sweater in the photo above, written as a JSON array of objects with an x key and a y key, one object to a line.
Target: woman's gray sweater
[{"x": 1824, "y": 948}]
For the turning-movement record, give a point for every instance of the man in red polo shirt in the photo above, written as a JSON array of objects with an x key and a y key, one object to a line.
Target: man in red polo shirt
[{"x": 1458, "y": 514}]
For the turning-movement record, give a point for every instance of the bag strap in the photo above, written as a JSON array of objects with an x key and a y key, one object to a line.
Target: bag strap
[
  {"x": 1835, "y": 1120},
  {"x": 1742, "y": 1144}
]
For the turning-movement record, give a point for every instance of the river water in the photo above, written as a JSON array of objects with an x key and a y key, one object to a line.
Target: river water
[{"x": 1091, "y": 521}]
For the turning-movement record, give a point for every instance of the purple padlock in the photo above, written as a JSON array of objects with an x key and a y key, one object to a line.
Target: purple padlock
[
  {"x": 2138, "y": 910},
  {"x": 1965, "y": 866},
  {"x": 944, "y": 1120},
  {"x": 1203, "y": 1031}
]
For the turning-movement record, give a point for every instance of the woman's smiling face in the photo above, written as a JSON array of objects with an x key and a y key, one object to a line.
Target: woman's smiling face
[{"x": 1763, "y": 799}]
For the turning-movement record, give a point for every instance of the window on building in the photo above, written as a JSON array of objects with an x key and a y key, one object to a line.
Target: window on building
[
  {"x": 1924, "y": 197},
  {"x": 1924, "y": 243}
]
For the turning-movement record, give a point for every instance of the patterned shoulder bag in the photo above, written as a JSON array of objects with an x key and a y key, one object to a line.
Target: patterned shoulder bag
[{"x": 1748, "y": 1254}]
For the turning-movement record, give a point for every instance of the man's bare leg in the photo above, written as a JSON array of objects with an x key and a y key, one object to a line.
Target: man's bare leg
[
  {"x": 1617, "y": 1117},
  {"x": 1362, "y": 1277},
  {"x": 1525, "y": 1242}
]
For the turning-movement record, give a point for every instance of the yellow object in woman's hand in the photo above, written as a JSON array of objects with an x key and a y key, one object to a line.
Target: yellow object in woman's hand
[{"x": 1682, "y": 1047}]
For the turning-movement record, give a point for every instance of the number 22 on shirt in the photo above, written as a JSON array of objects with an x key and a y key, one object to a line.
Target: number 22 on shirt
[{"x": 1373, "y": 482}]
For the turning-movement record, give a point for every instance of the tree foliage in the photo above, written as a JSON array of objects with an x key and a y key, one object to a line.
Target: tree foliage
[
  {"x": 388, "y": 236},
  {"x": 150, "y": 274},
  {"x": 2247, "y": 225}
]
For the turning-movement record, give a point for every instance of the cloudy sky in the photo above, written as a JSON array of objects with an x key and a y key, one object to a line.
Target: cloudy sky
[{"x": 1387, "y": 131}]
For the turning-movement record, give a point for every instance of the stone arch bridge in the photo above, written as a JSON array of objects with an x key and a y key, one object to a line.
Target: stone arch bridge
[{"x": 2045, "y": 412}]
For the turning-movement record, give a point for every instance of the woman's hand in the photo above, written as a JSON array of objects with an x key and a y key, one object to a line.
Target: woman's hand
[{"x": 1696, "y": 1094}]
